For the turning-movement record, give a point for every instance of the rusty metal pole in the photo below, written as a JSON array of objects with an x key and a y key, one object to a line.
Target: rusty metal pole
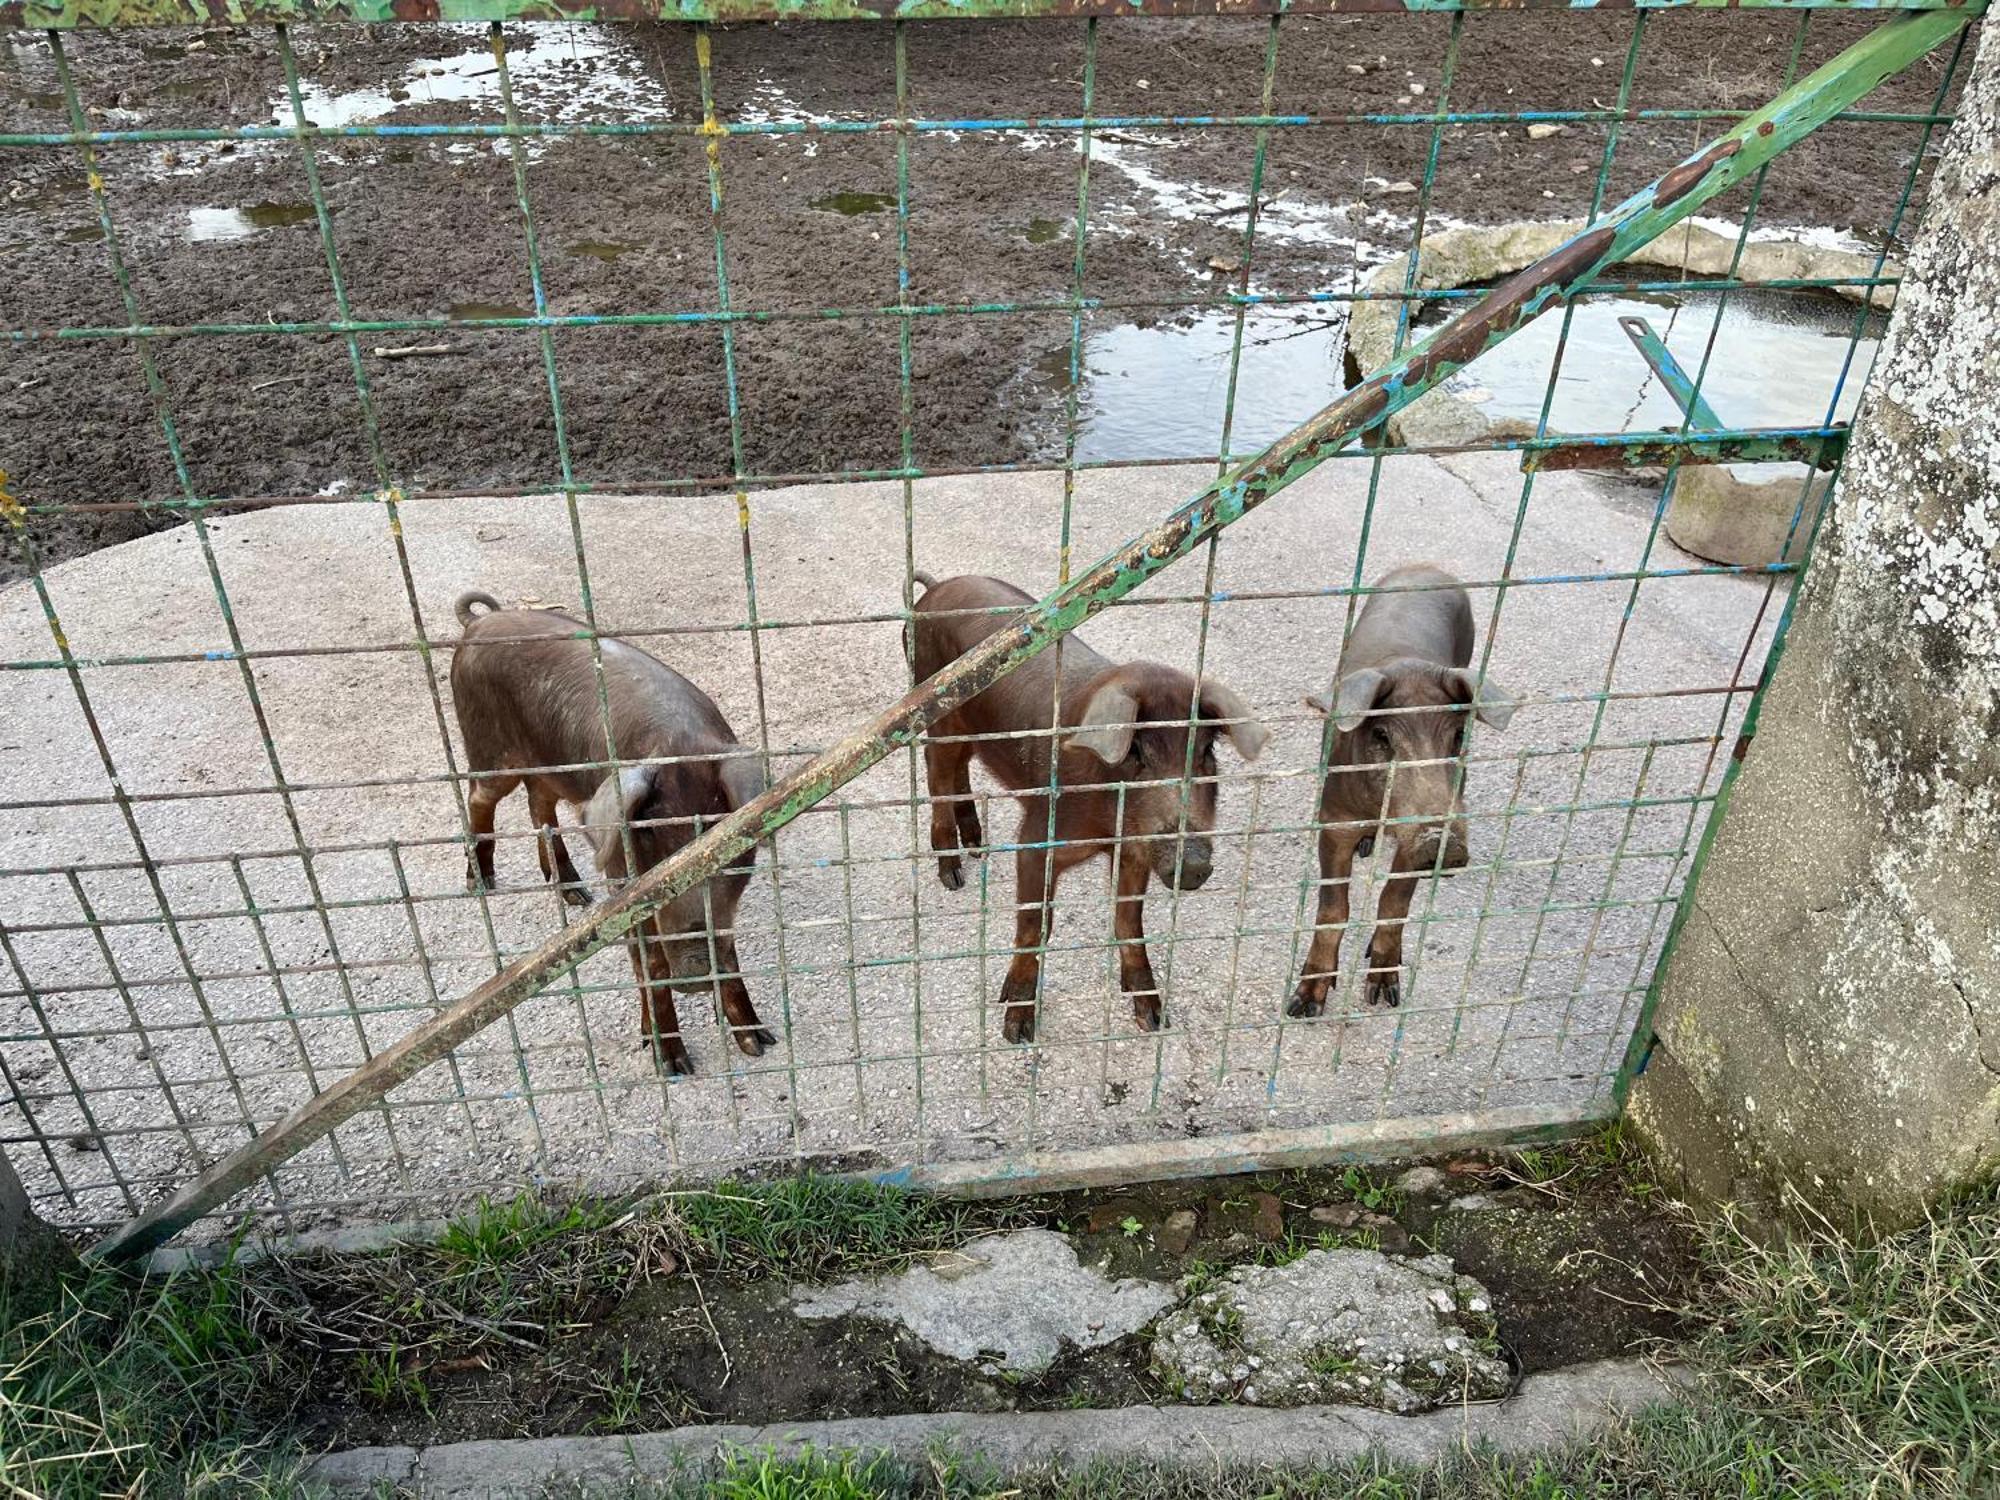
[{"x": 1794, "y": 114}]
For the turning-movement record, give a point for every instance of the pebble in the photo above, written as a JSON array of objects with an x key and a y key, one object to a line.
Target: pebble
[
  {"x": 1422, "y": 1182},
  {"x": 1267, "y": 1217}
]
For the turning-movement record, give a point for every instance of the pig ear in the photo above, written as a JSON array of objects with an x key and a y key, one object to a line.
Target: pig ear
[
  {"x": 1107, "y": 726},
  {"x": 1246, "y": 734},
  {"x": 743, "y": 778},
  {"x": 612, "y": 805},
  {"x": 1353, "y": 696},
  {"x": 1492, "y": 703}
]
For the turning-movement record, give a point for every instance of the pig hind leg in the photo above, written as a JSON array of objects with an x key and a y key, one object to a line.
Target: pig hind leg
[
  {"x": 487, "y": 793},
  {"x": 549, "y": 847},
  {"x": 954, "y": 820}
]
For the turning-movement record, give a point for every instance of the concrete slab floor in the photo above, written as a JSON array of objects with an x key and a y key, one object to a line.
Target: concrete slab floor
[{"x": 882, "y": 985}]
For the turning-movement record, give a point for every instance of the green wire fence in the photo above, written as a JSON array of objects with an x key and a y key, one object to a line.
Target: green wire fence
[{"x": 499, "y": 300}]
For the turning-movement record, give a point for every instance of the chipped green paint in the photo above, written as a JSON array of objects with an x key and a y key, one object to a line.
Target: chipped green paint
[
  {"x": 1686, "y": 392},
  {"x": 1749, "y": 446},
  {"x": 71, "y": 14},
  {"x": 1796, "y": 112}
]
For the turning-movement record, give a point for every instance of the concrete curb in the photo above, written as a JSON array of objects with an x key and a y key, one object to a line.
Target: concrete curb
[{"x": 1545, "y": 1410}]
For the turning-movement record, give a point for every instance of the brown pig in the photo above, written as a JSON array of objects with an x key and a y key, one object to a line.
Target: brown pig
[
  {"x": 1124, "y": 729},
  {"x": 525, "y": 691},
  {"x": 1400, "y": 706}
]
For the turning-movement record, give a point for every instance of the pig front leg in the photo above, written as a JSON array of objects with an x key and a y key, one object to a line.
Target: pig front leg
[
  {"x": 737, "y": 1010},
  {"x": 659, "y": 1022},
  {"x": 1385, "y": 948},
  {"x": 1034, "y": 866},
  {"x": 1135, "y": 968},
  {"x": 556, "y": 866},
  {"x": 1337, "y": 847}
]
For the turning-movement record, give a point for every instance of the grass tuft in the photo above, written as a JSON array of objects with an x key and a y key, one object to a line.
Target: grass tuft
[
  {"x": 816, "y": 1226},
  {"x": 110, "y": 1385}
]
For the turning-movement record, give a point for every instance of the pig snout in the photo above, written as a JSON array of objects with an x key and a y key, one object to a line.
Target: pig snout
[
  {"x": 1448, "y": 841},
  {"x": 1191, "y": 870}
]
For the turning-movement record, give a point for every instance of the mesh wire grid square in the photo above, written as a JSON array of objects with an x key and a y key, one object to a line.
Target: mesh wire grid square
[{"x": 715, "y": 337}]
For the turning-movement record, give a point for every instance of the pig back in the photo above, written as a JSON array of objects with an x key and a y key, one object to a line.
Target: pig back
[
  {"x": 525, "y": 691},
  {"x": 1025, "y": 699},
  {"x": 1432, "y": 625}
]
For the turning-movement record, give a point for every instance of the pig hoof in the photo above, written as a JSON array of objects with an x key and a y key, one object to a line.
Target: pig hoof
[
  {"x": 951, "y": 874},
  {"x": 755, "y": 1040},
  {"x": 1305, "y": 1002},
  {"x": 673, "y": 1059},
  {"x": 1019, "y": 1026},
  {"x": 574, "y": 894},
  {"x": 1149, "y": 1018},
  {"x": 1384, "y": 994},
  {"x": 1365, "y": 848},
  {"x": 475, "y": 882}
]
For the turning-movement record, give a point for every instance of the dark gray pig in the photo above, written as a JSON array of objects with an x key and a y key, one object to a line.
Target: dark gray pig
[{"x": 1399, "y": 706}]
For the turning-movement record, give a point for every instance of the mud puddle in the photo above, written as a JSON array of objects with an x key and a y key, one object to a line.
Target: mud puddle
[
  {"x": 210, "y": 225},
  {"x": 558, "y": 72}
]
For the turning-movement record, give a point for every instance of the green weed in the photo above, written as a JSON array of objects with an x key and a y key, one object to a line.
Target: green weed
[
  {"x": 1370, "y": 1191},
  {"x": 391, "y": 1378}
]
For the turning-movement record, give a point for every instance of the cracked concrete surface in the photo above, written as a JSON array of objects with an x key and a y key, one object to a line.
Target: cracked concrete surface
[{"x": 1014, "y": 1300}]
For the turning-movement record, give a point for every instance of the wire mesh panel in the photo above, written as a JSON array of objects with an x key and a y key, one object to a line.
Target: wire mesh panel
[{"x": 725, "y": 342}]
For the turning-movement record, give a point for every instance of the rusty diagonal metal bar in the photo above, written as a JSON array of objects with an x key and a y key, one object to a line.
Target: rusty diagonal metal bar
[{"x": 1795, "y": 113}]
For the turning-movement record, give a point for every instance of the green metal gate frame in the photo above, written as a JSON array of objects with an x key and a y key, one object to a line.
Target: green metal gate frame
[{"x": 1731, "y": 157}]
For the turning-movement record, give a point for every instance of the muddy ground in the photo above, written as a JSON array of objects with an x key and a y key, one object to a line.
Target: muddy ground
[
  {"x": 430, "y": 228},
  {"x": 1583, "y": 1267}
]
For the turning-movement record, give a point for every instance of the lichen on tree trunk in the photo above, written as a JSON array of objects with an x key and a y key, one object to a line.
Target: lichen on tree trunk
[{"x": 1830, "y": 1021}]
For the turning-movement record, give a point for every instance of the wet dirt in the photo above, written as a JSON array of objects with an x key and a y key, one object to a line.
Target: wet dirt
[
  {"x": 1576, "y": 1272},
  {"x": 425, "y": 226}
]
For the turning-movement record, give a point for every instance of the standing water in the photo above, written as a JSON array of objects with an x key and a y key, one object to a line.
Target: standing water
[
  {"x": 1160, "y": 392},
  {"x": 1780, "y": 359}
]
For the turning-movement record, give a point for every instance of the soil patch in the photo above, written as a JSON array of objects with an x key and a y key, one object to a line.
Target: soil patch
[
  {"x": 214, "y": 233},
  {"x": 1574, "y": 1271}
]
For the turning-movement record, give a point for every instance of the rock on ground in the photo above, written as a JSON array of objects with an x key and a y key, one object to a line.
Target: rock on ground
[
  {"x": 1423, "y": 1182},
  {"x": 1014, "y": 1300},
  {"x": 1336, "y": 1326}
]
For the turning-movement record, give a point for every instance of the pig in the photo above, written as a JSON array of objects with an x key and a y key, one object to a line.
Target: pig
[
  {"x": 525, "y": 690},
  {"x": 1399, "y": 705},
  {"x": 1123, "y": 727}
]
